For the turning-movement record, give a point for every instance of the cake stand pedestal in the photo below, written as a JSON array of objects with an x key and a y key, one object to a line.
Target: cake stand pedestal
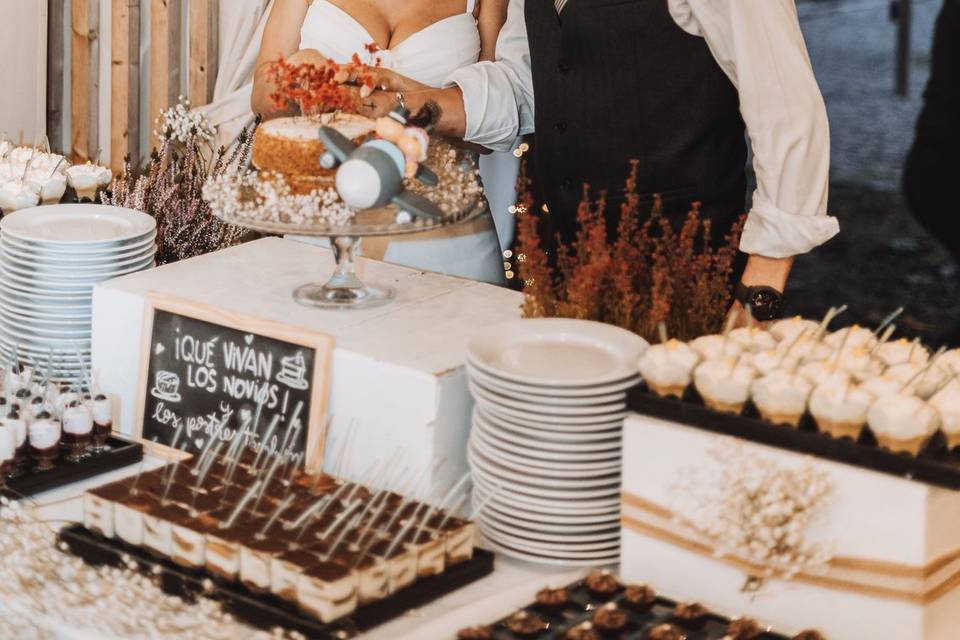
[{"x": 344, "y": 289}]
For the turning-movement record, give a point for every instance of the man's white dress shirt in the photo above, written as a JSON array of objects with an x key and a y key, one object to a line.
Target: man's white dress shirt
[{"x": 758, "y": 44}]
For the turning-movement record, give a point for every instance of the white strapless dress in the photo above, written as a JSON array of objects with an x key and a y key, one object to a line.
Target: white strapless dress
[{"x": 429, "y": 56}]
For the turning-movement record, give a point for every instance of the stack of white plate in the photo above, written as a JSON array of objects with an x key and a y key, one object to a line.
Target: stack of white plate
[
  {"x": 50, "y": 259},
  {"x": 545, "y": 449}
]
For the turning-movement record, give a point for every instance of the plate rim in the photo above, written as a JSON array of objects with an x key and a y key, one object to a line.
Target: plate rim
[{"x": 37, "y": 215}]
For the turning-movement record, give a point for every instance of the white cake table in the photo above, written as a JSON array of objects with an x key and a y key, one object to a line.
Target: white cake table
[{"x": 398, "y": 377}]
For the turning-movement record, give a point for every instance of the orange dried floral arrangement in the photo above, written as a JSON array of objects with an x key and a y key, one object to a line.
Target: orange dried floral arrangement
[
  {"x": 319, "y": 89},
  {"x": 650, "y": 274}
]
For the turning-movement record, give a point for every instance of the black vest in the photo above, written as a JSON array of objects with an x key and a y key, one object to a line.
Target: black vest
[{"x": 618, "y": 80}]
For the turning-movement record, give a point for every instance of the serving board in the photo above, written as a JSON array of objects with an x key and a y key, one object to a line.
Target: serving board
[
  {"x": 935, "y": 465},
  {"x": 121, "y": 453},
  {"x": 266, "y": 611},
  {"x": 582, "y": 604}
]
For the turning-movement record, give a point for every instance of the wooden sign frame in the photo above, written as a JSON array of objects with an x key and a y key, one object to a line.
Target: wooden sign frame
[{"x": 320, "y": 343}]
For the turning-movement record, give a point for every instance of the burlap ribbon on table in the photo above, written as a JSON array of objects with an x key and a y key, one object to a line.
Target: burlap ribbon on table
[{"x": 873, "y": 578}]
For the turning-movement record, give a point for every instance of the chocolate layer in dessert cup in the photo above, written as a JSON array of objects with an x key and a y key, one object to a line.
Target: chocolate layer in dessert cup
[
  {"x": 98, "y": 507},
  {"x": 285, "y": 571},
  {"x": 431, "y": 552},
  {"x": 328, "y": 591},
  {"x": 401, "y": 562},
  {"x": 372, "y": 571}
]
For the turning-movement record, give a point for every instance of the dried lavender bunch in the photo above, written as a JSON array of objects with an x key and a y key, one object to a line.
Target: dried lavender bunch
[
  {"x": 170, "y": 188},
  {"x": 650, "y": 274}
]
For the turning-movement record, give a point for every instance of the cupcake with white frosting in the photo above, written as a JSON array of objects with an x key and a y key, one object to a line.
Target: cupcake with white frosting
[
  {"x": 859, "y": 363},
  {"x": 852, "y": 337},
  {"x": 87, "y": 179},
  {"x": 753, "y": 339},
  {"x": 823, "y": 372},
  {"x": 903, "y": 423},
  {"x": 724, "y": 384},
  {"x": 781, "y": 397},
  {"x": 840, "y": 410},
  {"x": 18, "y": 194},
  {"x": 667, "y": 368},
  {"x": 902, "y": 351},
  {"x": 716, "y": 346},
  {"x": 789, "y": 329},
  {"x": 884, "y": 386},
  {"x": 923, "y": 380}
]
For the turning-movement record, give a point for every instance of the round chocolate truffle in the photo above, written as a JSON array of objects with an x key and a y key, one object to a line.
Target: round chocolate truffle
[
  {"x": 552, "y": 599},
  {"x": 744, "y": 629},
  {"x": 475, "y": 633},
  {"x": 665, "y": 632},
  {"x": 526, "y": 624},
  {"x": 639, "y": 597},
  {"x": 583, "y": 631},
  {"x": 690, "y": 614},
  {"x": 602, "y": 584},
  {"x": 610, "y": 618},
  {"x": 809, "y": 634}
]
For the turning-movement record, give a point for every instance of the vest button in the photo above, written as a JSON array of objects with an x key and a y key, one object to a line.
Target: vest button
[{"x": 560, "y": 126}]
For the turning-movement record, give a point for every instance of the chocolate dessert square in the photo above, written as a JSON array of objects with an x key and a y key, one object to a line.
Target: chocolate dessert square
[
  {"x": 328, "y": 591},
  {"x": 98, "y": 507}
]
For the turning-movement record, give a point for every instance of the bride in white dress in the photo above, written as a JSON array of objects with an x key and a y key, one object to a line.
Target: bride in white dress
[{"x": 424, "y": 40}]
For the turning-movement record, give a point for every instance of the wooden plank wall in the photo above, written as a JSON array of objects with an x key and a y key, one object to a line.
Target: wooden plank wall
[
  {"x": 85, "y": 73},
  {"x": 164, "y": 73}
]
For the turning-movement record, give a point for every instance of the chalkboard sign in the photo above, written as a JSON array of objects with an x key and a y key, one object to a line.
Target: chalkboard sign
[{"x": 211, "y": 376}]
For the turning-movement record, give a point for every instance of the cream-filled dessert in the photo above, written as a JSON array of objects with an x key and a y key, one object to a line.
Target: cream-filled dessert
[
  {"x": 753, "y": 339},
  {"x": 87, "y": 179},
  {"x": 853, "y": 337},
  {"x": 7, "y": 452},
  {"x": 790, "y": 329},
  {"x": 823, "y": 372},
  {"x": 667, "y": 368},
  {"x": 781, "y": 397},
  {"x": 77, "y": 430},
  {"x": 885, "y": 385},
  {"x": 716, "y": 346},
  {"x": 859, "y": 363},
  {"x": 101, "y": 409},
  {"x": 840, "y": 409},
  {"x": 18, "y": 194},
  {"x": 44, "y": 437},
  {"x": 902, "y": 351},
  {"x": 947, "y": 403},
  {"x": 724, "y": 384},
  {"x": 51, "y": 186},
  {"x": 771, "y": 360},
  {"x": 922, "y": 380},
  {"x": 903, "y": 423}
]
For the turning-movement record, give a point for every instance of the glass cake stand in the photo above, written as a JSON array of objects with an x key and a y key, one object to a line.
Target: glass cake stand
[{"x": 344, "y": 289}]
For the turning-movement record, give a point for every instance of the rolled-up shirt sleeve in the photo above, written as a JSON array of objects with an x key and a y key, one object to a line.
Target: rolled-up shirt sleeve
[
  {"x": 498, "y": 95},
  {"x": 759, "y": 45}
]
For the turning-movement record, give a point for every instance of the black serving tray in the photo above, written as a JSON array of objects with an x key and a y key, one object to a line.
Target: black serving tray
[
  {"x": 582, "y": 604},
  {"x": 266, "y": 611},
  {"x": 121, "y": 453},
  {"x": 935, "y": 464}
]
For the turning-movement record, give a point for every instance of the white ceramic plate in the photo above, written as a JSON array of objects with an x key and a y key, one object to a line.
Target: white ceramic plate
[
  {"x": 77, "y": 224},
  {"x": 518, "y": 458},
  {"x": 536, "y": 536},
  {"x": 576, "y": 561},
  {"x": 514, "y": 486},
  {"x": 62, "y": 281},
  {"x": 69, "y": 272},
  {"x": 584, "y": 549},
  {"x": 503, "y": 390},
  {"x": 558, "y": 352},
  {"x": 532, "y": 416},
  {"x": 42, "y": 316},
  {"x": 493, "y": 379},
  {"x": 8, "y": 290},
  {"x": 510, "y": 423},
  {"x": 552, "y": 435},
  {"x": 558, "y": 524},
  {"x": 595, "y": 450},
  {"x": 589, "y": 462},
  {"x": 56, "y": 256},
  {"x": 587, "y": 409},
  {"x": 540, "y": 481},
  {"x": 565, "y": 508}
]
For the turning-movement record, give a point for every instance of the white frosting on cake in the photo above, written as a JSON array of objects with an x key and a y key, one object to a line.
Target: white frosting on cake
[
  {"x": 303, "y": 128},
  {"x": 843, "y": 404},
  {"x": 781, "y": 393},
  {"x": 44, "y": 433},
  {"x": 789, "y": 329},
  {"x": 669, "y": 364},
  {"x": 77, "y": 420},
  {"x": 716, "y": 346},
  {"x": 753, "y": 338},
  {"x": 902, "y": 417},
  {"x": 724, "y": 381},
  {"x": 901, "y": 351}
]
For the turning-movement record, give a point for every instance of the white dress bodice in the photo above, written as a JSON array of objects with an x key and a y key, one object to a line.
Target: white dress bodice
[{"x": 428, "y": 56}]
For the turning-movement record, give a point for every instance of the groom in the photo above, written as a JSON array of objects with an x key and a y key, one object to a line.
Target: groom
[{"x": 673, "y": 84}]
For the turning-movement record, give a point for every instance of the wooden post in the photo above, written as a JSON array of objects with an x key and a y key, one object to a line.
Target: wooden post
[
  {"x": 125, "y": 83},
  {"x": 55, "y": 66},
  {"x": 84, "y": 73},
  {"x": 904, "y": 24},
  {"x": 164, "y": 56},
  {"x": 203, "y": 24}
]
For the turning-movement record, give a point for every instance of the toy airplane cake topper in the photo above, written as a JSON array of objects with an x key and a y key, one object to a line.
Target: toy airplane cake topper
[{"x": 371, "y": 175}]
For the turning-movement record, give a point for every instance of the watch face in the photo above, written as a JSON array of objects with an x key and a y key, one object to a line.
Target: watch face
[{"x": 765, "y": 304}]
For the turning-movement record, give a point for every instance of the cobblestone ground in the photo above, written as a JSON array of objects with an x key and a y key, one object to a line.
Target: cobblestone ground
[{"x": 882, "y": 259}]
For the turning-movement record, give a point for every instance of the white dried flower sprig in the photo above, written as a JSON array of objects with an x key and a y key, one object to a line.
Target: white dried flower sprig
[
  {"x": 754, "y": 509},
  {"x": 44, "y": 591},
  {"x": 180, "y": 124},
  {"x": 266, "y": 196}
]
